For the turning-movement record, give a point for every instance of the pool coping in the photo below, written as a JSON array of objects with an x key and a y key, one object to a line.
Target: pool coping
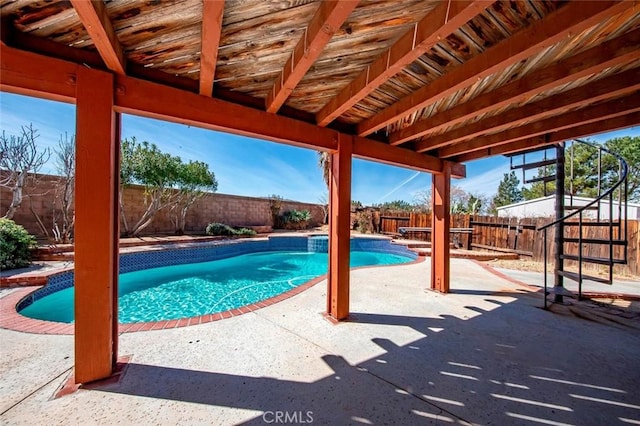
[{"x": 10, "y": 319}]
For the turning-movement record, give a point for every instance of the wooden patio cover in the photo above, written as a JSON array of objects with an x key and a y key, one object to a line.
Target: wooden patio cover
[{"x": 426, "y": 85}]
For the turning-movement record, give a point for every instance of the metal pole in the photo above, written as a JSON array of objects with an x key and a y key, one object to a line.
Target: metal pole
[
  {"x": 600, "y": 181},
  {"x": 559, "y": 237},
  {"x": 544, "y": 248}
]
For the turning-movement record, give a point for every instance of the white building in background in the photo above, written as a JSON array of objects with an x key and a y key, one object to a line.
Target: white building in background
[{"x": 545, "y": 207}]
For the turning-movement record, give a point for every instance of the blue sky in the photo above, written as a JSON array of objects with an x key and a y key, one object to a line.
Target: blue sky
[{"x": 246, "y": 166}]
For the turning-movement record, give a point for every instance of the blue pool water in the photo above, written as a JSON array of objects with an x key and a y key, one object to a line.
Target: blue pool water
[{"x": 189, "y": 290}]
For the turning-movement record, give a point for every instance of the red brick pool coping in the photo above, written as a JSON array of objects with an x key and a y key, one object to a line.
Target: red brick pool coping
[{"x": 10, "y": 319}]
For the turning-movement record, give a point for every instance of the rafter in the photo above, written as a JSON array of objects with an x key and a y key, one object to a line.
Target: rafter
[
  {"x": 93, "y": 16},
  {"x": 601, "y": 90},
  {"x": 38, "y": 75},
  {"x": 584, "y": 117},
  {"x": 212, "y": 12},
  {"x": 556, "y": 123},
  {"x": 606, "y": 125},
  {"x": 572, "y": 18},
  {"x": 446, "y": 18},
  {"x": 619, "y": 51},
  {"x": 327, "y": 20}
]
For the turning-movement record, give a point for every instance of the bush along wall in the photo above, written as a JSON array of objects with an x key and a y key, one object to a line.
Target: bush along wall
[
  {"x": 226, "y": 230},
  {"x": 15, "y": 245},
  {"x": 295, "y": 219}
]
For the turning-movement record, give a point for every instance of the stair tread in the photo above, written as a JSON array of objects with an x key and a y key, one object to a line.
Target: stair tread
[
  {"x": 571, "y": 207},
  {"x": 534, "y": 165},
  {"x": 574, "y": 276},
  {"x": 592, "y": 259},
  {"x": 541, "y": 179},
  {"x": 596, "y": 241}
]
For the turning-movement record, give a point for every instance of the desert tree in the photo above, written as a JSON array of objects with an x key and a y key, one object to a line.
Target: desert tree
[
  {"x": 64, "y": 218},
  {"x": 157, "y": 172},
  {"x": 194, "y": 180},
  {"x": 20, "y": 159}
]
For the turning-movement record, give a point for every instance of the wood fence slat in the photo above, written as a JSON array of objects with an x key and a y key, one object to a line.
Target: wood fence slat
[{"x": 521, "y": 236}]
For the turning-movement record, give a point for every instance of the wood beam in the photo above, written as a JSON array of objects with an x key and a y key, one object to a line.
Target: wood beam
[
  {"x": 572, "y": 18},
  {"x": 601, "y": 90},
  {"x": 166, "y": 103},
  {"x": 590, "y": 114},
  {"x": 619, "y": 51},
  {"x": 94, "y": 17},
  {"x": 31, "y": 74},
  {"x": 440, "y": 225},
  {"x": 212, "y": 12},
  {"x": 50, "y": 78},
  {"x": 607, "y": 125},
  {"x": 96, "y": 227},
  {"x": 339, "y": 230},
  {"x": 327, "y": 20},
  {"x": 401, "y": 157},
  {"x": 441, "y": 22}
]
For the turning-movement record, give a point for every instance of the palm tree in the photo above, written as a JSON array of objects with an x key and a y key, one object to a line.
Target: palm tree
[{"x": 324, "y": 162}]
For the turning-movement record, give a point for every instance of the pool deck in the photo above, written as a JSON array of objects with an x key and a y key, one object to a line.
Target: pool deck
[{"x": 484, "y": 354}]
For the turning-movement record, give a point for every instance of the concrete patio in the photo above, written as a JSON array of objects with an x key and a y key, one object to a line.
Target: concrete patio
[{"x": 484, "y": 354}]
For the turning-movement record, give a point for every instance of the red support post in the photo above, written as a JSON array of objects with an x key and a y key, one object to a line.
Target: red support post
[
  {"x": 96, "y": 226},
  {"x": 440, "y": 224},
  {"x": 340, "y": 230}
]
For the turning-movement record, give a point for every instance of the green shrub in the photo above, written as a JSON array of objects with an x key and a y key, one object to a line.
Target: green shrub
[
  {"x": 226, "y": 230},
  {"x": 219, "y": 229},
  {"x": 245, "y": 232},
  {"x": 295, "y": 219},
  {"x": 15, "y": 245},
  {"x": 364, "y": 221}
]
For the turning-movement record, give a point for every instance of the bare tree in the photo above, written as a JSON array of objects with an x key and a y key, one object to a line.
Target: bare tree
[
  {"x": 324, "y": 205},
  {"x": 423, "y": 201},
  {"x": 20, "y": 157},
  {"x": 66, "y": 165}
]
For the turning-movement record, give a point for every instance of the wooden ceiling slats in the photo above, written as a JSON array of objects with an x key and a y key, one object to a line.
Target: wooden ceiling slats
[
  {"x": 97, "y": 24},
  {"x": 437, "y": 25},
  {"x": 621, "y": 50},
  {"x": 603, "y": 89},
  {"x": 570, "y": 19},
  {"x": 326, "y": 21},
  {"x": 590, "y": 114},
  {"x": 446, "y": 78},
  {"x": 212, "y": 13}
]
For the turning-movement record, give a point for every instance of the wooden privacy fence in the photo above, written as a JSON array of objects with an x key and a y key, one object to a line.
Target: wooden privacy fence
[{"x": 519, "y": 236}]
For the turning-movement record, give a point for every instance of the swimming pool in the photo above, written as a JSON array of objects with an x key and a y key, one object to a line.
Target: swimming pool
[{"x": 212, "y": 278}]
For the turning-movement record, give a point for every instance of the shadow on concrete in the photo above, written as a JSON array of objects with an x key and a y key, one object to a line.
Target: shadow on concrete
[{"x": 509, "y": 362}]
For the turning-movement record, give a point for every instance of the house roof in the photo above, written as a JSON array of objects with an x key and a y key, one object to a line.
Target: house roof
[{"x": 455, "y": 80}]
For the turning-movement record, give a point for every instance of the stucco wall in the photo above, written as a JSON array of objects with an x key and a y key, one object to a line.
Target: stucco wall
[{"x": 230, "y": 209}]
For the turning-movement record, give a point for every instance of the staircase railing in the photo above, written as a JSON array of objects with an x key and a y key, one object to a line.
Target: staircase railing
[{"x": 622, "y": 186}]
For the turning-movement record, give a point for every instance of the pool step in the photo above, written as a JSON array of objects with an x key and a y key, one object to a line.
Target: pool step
[
  {"x": 415, "y": 244},
  {"x": 469, "y": 254}
]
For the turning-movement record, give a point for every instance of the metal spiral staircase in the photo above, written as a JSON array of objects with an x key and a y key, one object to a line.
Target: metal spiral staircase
[{"x": 607, "y": 212}]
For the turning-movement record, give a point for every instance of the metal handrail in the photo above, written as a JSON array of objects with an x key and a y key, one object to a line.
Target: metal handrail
[
  {"x": 623, "y": 178},
  {"x": 623, "y": 171}
]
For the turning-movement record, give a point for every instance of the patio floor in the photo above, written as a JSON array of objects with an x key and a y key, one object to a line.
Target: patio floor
[{"x": 484, "y": 354}]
